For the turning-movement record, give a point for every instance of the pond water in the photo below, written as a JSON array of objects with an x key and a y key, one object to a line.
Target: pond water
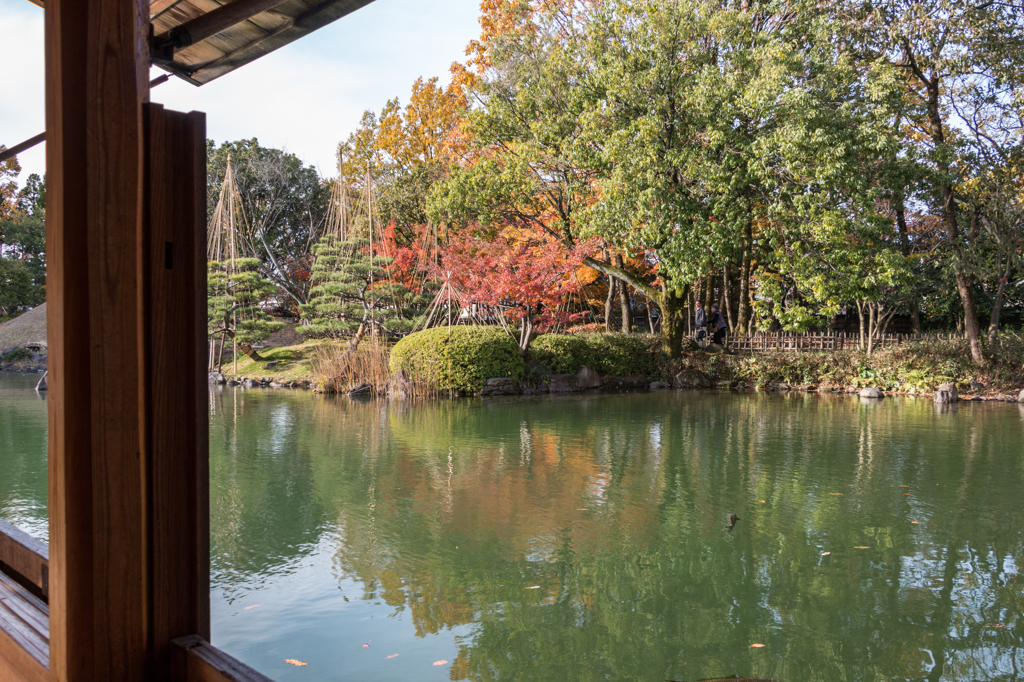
[{"x": 585, "y": 537}]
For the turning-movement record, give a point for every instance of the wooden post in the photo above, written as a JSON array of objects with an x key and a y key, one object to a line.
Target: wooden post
[
  {"x": 97, "y": 68},
  {"x": 176, "y": 431},
  {"x": 127, "y": 447}
]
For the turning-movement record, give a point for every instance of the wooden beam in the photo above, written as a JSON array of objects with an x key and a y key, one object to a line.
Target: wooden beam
[
  {"x": 97, "y": 65},
  {"x": 21, "y": 146},
  {"x": 174, "y": 382},
  {"x": 23, "y": 555},
  {"x": 212, "y": 23},
  {"x": 196, "y": 660}
]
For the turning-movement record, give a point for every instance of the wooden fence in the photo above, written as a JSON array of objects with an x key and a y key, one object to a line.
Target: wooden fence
[{"x": 808, "y": 341}]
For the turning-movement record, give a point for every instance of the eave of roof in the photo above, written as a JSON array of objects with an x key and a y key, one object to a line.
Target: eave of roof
[{"x": 243, "y": 42}]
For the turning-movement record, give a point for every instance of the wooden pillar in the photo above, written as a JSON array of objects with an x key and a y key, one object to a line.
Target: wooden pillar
[
  {"x": 96, "y": 81},
  {"x": 127, "y": 446},
  {"x": 175, "y": 423}
]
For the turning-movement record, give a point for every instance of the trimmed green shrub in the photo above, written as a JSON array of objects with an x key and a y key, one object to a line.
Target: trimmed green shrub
[
  {"x": 562, "y": 353},
  {"x": 612, "y": 354},
  {"x": 618, "y": 354},
  {"x": 17, "y": 355},
  {"x": 461, "y": 359}
]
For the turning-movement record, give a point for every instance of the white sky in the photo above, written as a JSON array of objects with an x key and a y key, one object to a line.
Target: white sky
[{"x": 305, "y": 97}]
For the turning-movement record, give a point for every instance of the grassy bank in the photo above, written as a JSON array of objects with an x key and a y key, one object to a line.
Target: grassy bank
[{"x": 915, "y": 368}]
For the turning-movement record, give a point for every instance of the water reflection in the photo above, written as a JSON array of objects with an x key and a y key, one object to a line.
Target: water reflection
[{"x": 582, "y": 538}]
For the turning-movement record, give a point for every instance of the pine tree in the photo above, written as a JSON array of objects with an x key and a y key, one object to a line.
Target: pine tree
[
  {"x": 235, "y": 287},
  {"x": 352, "y": 286}
]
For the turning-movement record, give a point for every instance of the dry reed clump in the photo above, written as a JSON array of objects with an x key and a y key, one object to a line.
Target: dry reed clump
[{"x": 335, "y": 371}]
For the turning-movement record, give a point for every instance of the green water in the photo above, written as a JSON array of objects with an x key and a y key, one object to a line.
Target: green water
[{"x": 583, "y": 538}]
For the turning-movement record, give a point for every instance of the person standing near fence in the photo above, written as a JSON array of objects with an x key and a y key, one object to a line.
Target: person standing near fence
[
  {"x": 718, "y": 325},
  {"x": 701, "y": 321}
]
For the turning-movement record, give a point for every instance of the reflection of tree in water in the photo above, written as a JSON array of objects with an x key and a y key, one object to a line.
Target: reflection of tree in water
[
  {"x": 599, "y": 551},
  {"x": 264, "y": 514}
]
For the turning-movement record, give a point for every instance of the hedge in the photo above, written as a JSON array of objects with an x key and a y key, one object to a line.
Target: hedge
[
  {"x": 613, "y": 354},
  {"x": 459, "y": 359}
]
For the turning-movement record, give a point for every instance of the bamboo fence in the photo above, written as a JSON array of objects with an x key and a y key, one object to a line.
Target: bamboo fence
[{"x": 808, "y": 341}]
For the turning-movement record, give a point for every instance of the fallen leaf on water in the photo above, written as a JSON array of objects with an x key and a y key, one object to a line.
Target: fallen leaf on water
[
  {"x": 367, "y": 645},
  {"x": 295, "y": 661},
  {"x": 825, "y": 553},
  {"x": 757, "y": 646},
  {"x": 533, "y": 587},
  {"x": 835, "y": 493},
  {"x": 252, "y": 607},
  {"x": 441, "y": 662},
  {"x": 904, "y": 486},
  {"x": 915, "y": 522},
  {"x": 581, "y": 509},
  {"x": 906, "y": 493},
  {"x": 391, "y": 656},
  {"x": 862, "y": 547},
  {"x": 998, "y": 625},
  {"x": 761, "y": 501}
]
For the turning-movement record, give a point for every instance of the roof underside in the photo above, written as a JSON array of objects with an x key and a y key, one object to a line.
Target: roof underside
[{"x": 244, "y": 42}]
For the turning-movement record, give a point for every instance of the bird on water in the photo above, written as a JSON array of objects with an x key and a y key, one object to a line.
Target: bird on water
[{"x": 731, "y": 519}]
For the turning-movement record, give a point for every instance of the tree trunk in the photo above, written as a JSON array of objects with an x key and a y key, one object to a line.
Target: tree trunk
[
  {"x": 997, "y": 305},
  {"x": 726, "y": 300},
  {"x": 860, "y": 319},
  {"x": 627, "y": 309},
  {"x": 609, "y": 301},
  {"x": 915, "y": 317},
  {"x": 525, "y": 333},
  {"x": 672, "y": 322},
  {"x": 744, "y": 313},
  {"x": 949, "y": 216}
]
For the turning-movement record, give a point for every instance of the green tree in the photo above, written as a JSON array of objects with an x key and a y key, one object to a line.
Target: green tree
[
  {"x": 284, "y": 203},
  {"x": 960, "y": 66},
  {"x": 236, "y": 290}
]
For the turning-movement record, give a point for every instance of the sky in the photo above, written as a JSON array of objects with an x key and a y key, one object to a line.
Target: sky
[{"x": 305, "y": 97}]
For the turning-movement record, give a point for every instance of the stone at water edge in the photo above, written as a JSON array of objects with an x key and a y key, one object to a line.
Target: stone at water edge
[
  {"x": 216, "y": 377},
  {"x": 501, "y": 386},
  {"x": 1020, "y": 398},
  {"x": 780, "y": 387},
  {"x": 660, "y": 385},
  {"x": 563, "y": 383},
  {"x": 588, "y": 378},
  {"x": 691, "y": 378},
  {"x": 871, "y": 392},
  {"x": 946, "y": 393},
  {"x": 363, "y": 389}
]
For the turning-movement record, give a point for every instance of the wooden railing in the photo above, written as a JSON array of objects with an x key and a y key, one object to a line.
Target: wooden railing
[
  {"x": 25, "y": 622},
  {"x": 24, "y": 611},
  {"x": 809, "y": 341}
]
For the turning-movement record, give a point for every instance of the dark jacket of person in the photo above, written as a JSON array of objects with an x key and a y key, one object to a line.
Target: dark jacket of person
[
  {"x": 702, "y": 320},
  {"x": 718, "y": 321}
]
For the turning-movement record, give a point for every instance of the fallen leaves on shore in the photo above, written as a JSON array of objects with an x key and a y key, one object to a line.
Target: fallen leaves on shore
[{"x": 295, "y": 661}]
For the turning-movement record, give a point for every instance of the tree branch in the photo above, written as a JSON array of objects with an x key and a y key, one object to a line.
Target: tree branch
[{"x": 627, "y": 277}]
